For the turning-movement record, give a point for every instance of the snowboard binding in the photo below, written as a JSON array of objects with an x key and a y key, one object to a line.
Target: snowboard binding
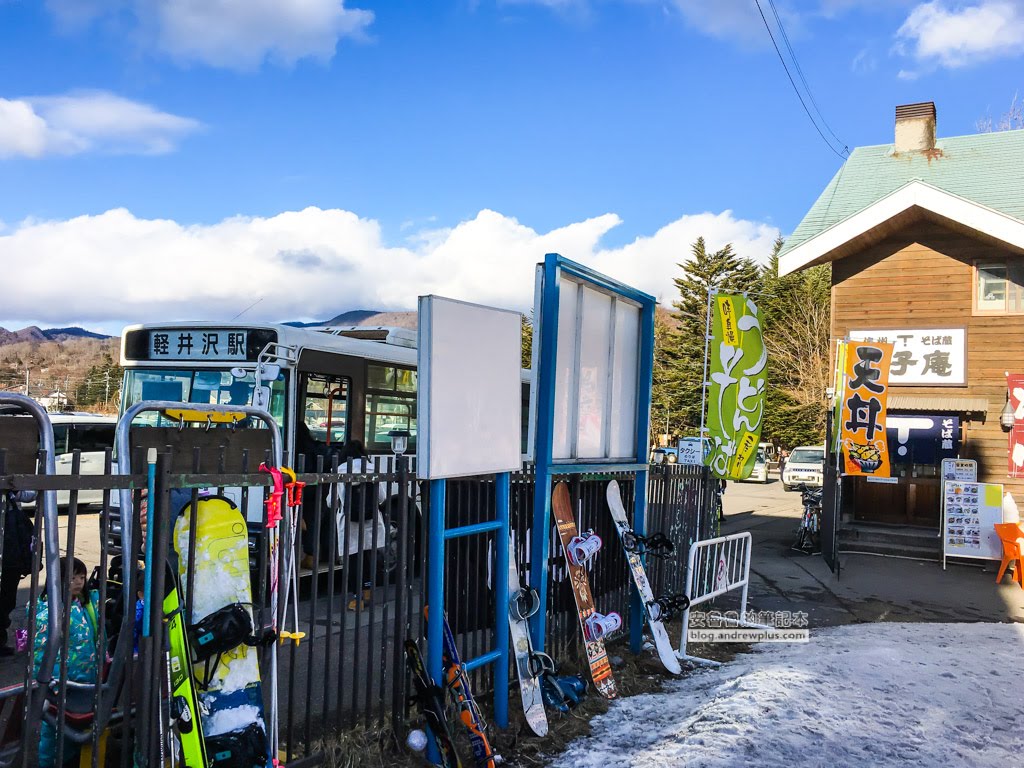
[
  {"x": 667, "y": 607},
  {"x": 524, "y": 603},
  {"x": 562, "y": 692},
  {"x": 580, "y": 549},
  {"x": 655, "y": 545},
  {"x": 598, "y": 625},
  {"x": 541, "y": 664}
]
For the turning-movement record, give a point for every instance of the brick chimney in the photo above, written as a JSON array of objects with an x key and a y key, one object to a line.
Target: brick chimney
[{"x": 915, "y": 127}]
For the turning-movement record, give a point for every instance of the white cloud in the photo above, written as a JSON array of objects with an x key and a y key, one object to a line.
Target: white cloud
[
  {"x": 116, "y": 268},
  {"x": 233, "y": 34},
  {"x": 955, "y": 36},
  {"x": 87, "y": 121},
  {"x": 733, "y": 20}
]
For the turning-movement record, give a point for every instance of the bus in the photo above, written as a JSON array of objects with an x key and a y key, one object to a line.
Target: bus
[{"x": 323, "y": 386}]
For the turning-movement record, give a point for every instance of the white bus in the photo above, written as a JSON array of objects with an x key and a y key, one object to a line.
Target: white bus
[{"x": 323, "y": 386}]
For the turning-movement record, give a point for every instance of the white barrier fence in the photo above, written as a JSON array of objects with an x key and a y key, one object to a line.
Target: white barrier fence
[{"x": 715, "y": 567}]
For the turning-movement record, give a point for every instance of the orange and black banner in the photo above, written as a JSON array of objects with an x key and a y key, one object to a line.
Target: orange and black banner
[{"x": 862, "y": 421}]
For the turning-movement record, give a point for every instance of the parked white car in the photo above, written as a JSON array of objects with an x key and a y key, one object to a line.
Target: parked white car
[
  {"x": 805, "y": 466},
  {"x": 759, "y": 474},
  {"x": 89, "y": 433}
]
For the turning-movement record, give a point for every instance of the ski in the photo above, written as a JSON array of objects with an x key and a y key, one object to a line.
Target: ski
[
  {"x": 656, "y": 611},
  {"x": 597, "y": 656},
  {"x": 184, "y": 699},
  {"x": 469, "y": 712},
  {"x": 221, "y": 633},
  {"x": 521, "y": 606},
  {"x": 430, "y": 698}
]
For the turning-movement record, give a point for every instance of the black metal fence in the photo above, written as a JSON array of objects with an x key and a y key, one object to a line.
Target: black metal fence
[{"x": 360, "y": 552}]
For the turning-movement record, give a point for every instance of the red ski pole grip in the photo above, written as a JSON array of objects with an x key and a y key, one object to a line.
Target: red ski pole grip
[{"x": 273, "y": 501}]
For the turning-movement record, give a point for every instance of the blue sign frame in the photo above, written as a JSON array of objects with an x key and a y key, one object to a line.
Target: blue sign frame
[{"x": 555, "y": 267}]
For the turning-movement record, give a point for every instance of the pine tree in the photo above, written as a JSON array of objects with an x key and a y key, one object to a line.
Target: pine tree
[{"x": 681, "y": 356}]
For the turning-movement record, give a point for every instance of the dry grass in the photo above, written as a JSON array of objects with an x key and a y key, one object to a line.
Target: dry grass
[{"x": 517, "y": 745}]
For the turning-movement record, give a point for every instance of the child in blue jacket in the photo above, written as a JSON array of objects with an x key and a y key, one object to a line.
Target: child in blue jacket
[{"x": 83, "y": 655}]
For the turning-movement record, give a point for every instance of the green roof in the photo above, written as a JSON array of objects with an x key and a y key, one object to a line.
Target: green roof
[{"x": 985, "y": 168}]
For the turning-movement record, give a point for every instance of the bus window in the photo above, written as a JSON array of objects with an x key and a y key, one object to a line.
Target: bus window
[
  {"x": 390, "y": 405},
  {"x": 325, "y": 408},
  {"x": 195, "y": 386}
]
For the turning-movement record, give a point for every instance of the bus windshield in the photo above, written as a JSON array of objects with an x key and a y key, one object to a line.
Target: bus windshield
[{"x": 195, "y": 386}]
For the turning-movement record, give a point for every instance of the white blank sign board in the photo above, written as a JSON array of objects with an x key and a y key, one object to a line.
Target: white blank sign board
[
  {"x": 469, "y": 401},
  {"x": 596, "y": 374}
]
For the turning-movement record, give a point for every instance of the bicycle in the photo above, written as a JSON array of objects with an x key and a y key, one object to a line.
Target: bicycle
[{"x": 808, "y": 533}]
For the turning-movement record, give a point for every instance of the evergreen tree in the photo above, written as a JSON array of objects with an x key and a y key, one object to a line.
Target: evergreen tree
[
  {"x": 797, "y": 327},
  {"x": 681, "y": 355}
]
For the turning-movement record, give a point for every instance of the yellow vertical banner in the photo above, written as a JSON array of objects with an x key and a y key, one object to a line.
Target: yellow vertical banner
[
  {"x": 837, "y": 395},
  {"x": 862, "y": 419},
  {"x": 738, "y": 367}
]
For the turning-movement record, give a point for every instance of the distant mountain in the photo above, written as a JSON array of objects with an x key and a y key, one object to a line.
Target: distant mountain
[
  {"x": 34, "y": 333},
  {"x": 364, "y": 317}
]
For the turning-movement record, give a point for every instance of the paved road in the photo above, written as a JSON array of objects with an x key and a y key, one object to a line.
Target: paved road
[{"x": 869, "y": 587}]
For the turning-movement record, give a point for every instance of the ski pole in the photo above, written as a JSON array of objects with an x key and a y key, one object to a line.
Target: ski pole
[{"x": 147, "y": 589}]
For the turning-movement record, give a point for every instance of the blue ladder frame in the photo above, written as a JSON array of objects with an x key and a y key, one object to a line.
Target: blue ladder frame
[{"x": 437, "y": 536}]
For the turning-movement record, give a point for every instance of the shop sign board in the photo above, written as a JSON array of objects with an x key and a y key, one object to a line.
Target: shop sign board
[
  {"x": 960, "y": 470},
  {"x": 738, "y": 364},
  {"x": 691, "y": 451},
  {"x": 930, "y": 356},
  {"x": 969, "y": 514},
  {"x": 865, "y": 449}
]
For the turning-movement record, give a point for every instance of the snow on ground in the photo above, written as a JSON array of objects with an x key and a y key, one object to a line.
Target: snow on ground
[{"x": 867, "y": 694}]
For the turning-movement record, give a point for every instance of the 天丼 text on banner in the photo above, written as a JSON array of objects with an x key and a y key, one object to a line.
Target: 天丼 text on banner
[{"x": 862, "y": 421}]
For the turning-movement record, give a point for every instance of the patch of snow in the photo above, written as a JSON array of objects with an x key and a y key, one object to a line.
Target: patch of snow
[
  {"x": 234, "y": 719},
  {"x": 868, "y": 694}
]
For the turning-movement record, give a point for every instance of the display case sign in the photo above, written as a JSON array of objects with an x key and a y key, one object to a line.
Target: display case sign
[
  {"x": 969, "y": 514},
  {"x": 933, "y": 356}
]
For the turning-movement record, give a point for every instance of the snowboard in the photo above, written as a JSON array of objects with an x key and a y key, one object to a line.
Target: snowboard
[
  {"x": 430, "y": 697},
  {"x": 469, "y": 713},
  {"x": 522, "y": 647},
  {"x": 184, "y": 699},
  {"x": 662, "y": 642},
  {"x": 597, "y": 656},
  {"x": 229, "y": 684}
]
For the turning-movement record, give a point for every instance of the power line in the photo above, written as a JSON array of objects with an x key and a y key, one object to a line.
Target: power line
[
  {"x": 800, "y": 72},
  {"x": 792, "y": 82}
]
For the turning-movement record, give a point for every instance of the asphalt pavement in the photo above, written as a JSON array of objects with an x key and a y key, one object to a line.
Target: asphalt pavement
[{"x": 868, "y": 588}]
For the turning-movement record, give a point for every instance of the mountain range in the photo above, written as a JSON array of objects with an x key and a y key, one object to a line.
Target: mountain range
[{"x": 352, "y": 317}]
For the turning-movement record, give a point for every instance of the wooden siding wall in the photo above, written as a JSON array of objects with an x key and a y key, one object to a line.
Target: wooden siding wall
[{"x": 922, "y": 277}]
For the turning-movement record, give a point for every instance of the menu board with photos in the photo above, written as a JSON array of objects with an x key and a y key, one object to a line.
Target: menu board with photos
[{"x": 969, "y": 514}]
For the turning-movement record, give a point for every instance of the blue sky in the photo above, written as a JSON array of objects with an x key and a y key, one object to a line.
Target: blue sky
[{"x": 182, "y": 158}]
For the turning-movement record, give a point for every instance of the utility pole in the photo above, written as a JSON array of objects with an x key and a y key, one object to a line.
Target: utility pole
[
  {"x": 106, "y": 389},
  {"x": 26, "y": 382}
]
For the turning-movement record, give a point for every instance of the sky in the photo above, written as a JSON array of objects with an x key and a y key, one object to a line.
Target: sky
[{"x": 293, "y": 159}]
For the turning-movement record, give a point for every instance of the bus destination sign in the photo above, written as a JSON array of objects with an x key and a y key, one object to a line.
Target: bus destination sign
[{"x": 198, "y": 344}]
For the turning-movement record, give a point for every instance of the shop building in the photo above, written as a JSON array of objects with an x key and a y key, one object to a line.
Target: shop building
[{"x": 925, "y": 238}]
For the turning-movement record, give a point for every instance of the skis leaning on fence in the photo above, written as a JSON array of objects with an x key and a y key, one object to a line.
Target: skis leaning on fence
[
  {"x": 653, "y": 609},
  {"x": 430, "y": 697},
  {"x": 597, "y": 656},
  {"x": 469, "y": 712},
  {"x": 521, "y": 605}
]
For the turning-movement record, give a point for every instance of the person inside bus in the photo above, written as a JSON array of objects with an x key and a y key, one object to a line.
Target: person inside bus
[{"x": 82, "y": 653}]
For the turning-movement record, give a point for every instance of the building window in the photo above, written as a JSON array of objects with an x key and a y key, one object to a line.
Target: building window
[{"x": 998, "y": 288}]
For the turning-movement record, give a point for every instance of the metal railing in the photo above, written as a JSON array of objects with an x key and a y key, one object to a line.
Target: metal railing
[{"x": 361, "y": 554}]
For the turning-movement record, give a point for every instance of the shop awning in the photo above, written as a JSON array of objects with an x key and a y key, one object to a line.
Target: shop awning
[{"x": 938, "y": 403}]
